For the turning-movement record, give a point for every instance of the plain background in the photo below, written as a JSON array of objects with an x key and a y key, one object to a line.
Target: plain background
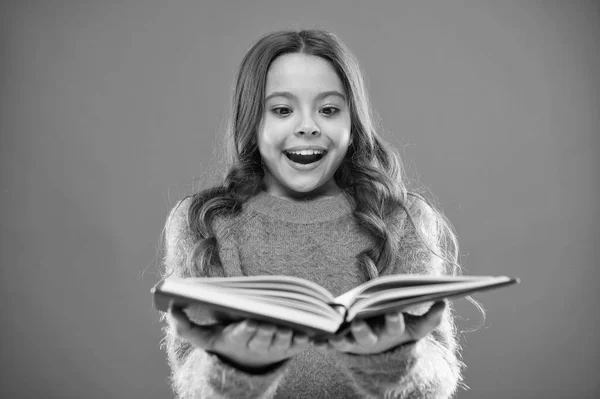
[{"x": 111, "y": 110}]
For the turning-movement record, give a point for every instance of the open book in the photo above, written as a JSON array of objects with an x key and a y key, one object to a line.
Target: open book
[{"x": 306, "y": 306}]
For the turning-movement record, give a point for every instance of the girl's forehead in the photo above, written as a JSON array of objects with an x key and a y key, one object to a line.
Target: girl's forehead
[{"x": 302, "y": 72}]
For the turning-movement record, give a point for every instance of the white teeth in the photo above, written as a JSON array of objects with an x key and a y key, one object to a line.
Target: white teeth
[{"x": 306, "y": 152}]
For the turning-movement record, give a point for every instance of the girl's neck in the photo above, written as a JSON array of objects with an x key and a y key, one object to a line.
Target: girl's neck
[
  {"x": 318, "y": 210},
  {"x": 329, "y": 189}
]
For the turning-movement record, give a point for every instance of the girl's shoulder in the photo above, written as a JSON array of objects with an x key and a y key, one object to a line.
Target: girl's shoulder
[
  {"x": 187, "y": 218},
  {"x": 416, "y": 203},
  {"x": 423, "y": 214},
  {"x": 177, "y": 227},
  {"x": 419, "y": 207}
]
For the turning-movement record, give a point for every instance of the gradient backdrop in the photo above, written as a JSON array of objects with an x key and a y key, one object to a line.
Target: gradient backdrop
[{"x": 111, "y": 110}]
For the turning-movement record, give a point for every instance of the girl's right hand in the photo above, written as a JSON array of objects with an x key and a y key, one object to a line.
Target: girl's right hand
[{"x": 248, "y": 344}]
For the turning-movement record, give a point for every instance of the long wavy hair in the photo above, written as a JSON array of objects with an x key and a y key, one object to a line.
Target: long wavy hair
[{"x": 370, "y": 175}]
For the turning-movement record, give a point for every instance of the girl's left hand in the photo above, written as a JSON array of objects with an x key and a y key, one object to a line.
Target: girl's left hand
[{"x": 398, "y": 329}]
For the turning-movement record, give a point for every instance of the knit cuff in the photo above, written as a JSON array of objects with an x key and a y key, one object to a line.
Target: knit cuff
[
  {"x": 207, "y": 375},
  {"x": 423, "y": 369},
  {"x": 381, "y": 368},
  {"x": 378, "y": 373},
  {"x": 249, "y": 370}
]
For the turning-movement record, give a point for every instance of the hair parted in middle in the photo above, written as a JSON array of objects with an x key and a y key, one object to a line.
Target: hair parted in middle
[{"x": 370, "y": 175}]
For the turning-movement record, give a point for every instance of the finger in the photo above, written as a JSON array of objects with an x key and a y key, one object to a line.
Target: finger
[
  {"x": 241, "y": 333},
  {"x": 178, "y": 318},
  {"x": 198, "y": 336},
  {"x": 321, "y": 345},
  {"x": 282, "y": 339},
  {"x": 261, "y": 341},
  {"x": 341, "y": 344},
  {"x": 425, "y": 324},
  {"x": 394, "y": 324},
  {"x": 183, "y": 326},
  {"x": 300, "y": 342},
  {"x": 363, "y": 335}
]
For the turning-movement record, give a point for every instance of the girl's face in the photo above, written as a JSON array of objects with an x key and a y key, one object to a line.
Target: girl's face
[{"x": 305, "y": 129}]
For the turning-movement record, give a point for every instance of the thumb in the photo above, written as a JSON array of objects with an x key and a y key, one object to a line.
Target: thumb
[
  {"x": 423, "y": 325},
  {"x": 199, "y": 336}
]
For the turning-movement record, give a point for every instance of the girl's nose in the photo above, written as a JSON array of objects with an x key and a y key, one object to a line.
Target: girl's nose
[
  {"x": 308, "y": 127},
  {"x": 308, "y": 132}
]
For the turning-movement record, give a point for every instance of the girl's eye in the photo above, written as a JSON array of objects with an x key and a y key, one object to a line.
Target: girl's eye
[
  {"x": 329, "y": 110},
  {"x": 282, "y": 111}
]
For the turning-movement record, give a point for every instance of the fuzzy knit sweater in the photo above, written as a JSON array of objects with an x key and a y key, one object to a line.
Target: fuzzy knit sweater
[{"x": 317, "y": 240}]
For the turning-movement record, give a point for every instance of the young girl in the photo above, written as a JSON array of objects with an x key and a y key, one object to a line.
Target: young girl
[{"x": 313, "y": 192}]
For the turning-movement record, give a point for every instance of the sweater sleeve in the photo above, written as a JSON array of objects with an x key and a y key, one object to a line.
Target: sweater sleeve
[
  {"x": 196, "y": 373},
  {"x": 428, "y": 368}
]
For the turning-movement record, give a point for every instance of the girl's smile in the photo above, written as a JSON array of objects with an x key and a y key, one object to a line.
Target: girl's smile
[
  {"x": 305, "y": 130},
  {"x": 309, "y": 161}
]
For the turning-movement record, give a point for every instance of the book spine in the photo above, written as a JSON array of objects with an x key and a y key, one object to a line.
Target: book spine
[{"x": 344, "y": 313}]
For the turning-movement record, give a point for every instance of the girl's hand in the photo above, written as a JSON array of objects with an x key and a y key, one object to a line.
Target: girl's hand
[
  {"x": 397, "y": 329},
  {"x": 248, "y": 344}
]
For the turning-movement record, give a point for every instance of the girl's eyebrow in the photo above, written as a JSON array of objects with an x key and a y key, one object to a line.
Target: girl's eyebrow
[{"x": 291, "y": 96}]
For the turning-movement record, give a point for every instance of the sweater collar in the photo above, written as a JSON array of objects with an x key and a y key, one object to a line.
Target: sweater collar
[{"x": 304, "y": 212}]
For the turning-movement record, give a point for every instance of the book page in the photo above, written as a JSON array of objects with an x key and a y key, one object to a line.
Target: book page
[
  {"x": 280, "y": 298},
  {"x": 393, "y": 300},
  {"x": 288, "y": 309},
  {"x": 398, "y": 281},
  {"x": 267, "y": 283}
]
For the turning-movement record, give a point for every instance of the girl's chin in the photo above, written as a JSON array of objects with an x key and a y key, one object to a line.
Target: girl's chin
[
  {"x": 302, "y": 190},
  {"x": 310, "y": 189}
]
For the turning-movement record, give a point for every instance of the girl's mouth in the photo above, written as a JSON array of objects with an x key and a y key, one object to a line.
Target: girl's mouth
[{"x": 305, "y": 157}]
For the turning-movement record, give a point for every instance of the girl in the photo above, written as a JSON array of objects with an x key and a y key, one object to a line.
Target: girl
[{"x": 311, "y": 191}]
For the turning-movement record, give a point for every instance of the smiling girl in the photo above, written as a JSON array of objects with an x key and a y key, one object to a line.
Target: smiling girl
[
  {"x": 312, "y": 191},
  {"x": 304, "y": 95}
]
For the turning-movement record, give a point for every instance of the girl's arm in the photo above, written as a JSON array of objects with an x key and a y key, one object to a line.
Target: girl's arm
[
  {"x": 428, "y": 368},
  {"x": 196, "y": 373}
]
